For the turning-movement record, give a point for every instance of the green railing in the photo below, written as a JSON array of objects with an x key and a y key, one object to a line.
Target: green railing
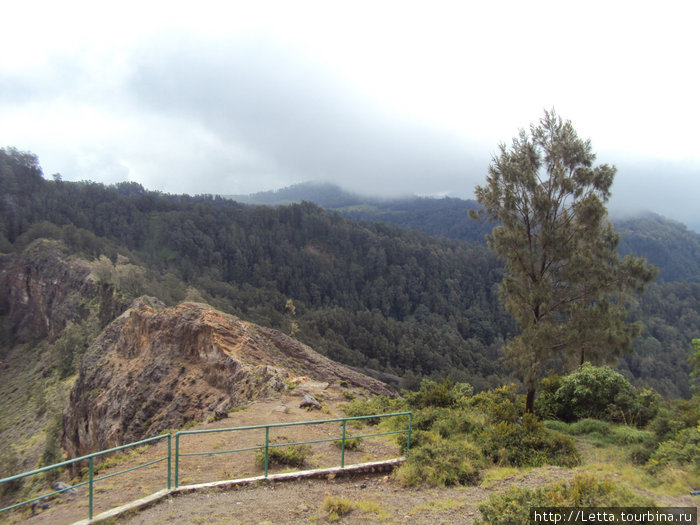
[
  {"x": 343, "y": 437},
  {"x": 91, "y": 472}
]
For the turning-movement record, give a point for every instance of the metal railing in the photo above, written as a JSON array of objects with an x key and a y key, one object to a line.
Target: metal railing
[
  {"x": 90, "y": 482},
  {"x": 343, "y": 438}
]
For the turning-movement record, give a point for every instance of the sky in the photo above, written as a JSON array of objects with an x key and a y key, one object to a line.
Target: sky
[{"x": 383, "y": 98}]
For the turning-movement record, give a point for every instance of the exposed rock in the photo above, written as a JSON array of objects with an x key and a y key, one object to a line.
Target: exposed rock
[
  {"x": 310, "y": 402},
  {"x": 67, "y": 489},
  {"x": 155, "y": 368},
  {"x": 42, "y": 289}
]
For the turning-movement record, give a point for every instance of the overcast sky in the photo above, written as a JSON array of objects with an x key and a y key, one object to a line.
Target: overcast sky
[{"x": 382, "y": 98}]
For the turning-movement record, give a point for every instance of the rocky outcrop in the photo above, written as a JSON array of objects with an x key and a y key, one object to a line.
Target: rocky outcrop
[
  {"x": 42, "y": 289},
  {"x": 155, "y": 368}
]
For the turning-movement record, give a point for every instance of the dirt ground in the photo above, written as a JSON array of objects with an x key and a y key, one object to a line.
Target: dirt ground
[{"x": 380, "y": 500}]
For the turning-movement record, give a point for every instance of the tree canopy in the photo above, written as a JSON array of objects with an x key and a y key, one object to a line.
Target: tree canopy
[{"x": 564, "y": 282}]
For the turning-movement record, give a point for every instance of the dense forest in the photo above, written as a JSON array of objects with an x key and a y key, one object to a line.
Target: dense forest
[
  {"x": 372, "y": 295},
  {"x": 667, "y": 244}
]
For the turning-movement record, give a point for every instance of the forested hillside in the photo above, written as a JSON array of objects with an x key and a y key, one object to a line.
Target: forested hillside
[
  {"x": 668, "y": 244},
  {"x": 370, "y": 295}
]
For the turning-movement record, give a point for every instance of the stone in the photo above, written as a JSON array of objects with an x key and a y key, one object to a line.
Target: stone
[{"x": 310, "y": 401}]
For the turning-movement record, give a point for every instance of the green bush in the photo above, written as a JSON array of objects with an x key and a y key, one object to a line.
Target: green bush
[
  {"x": 683, "y": 449},
  {"x": 500, "y": 404},
  {"x": 336, "y": 507},
  {"x": 433, "y": 394},
  {"x": 665, "y": 425},
  {"x": 350, "y": 443},
  {"x": 513, "y": 506},
  {"x": 440, "y": 462},
  {"x": 596, "y": 392},
  {"x": 527, "y": 444},
  {"x": 374, "y": 405},
  {"x": 292, "y": 455}
]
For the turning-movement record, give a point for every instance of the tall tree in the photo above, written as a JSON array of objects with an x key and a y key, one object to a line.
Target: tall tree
[{"x": 564, "y": 282}]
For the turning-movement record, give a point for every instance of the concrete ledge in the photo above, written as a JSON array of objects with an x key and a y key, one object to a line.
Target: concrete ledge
[{"x": 330, "y": 473}]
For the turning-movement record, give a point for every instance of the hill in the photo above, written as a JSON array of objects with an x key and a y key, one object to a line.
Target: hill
[
  {"x": 667, "y": 244},
  {"x": 375, "y": 296}
]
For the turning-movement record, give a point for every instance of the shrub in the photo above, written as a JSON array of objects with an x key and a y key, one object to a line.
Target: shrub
[
  {"x": 513, "y": 506},
  {"x": 433, "y": 394},
  {"x": 350, "y": 443},
  {"x": 527, "y": 444},
  {"x": 587, "y": 392},
  {"x": 439, "y": 462},
  {"x": 597, "y": 392},
  {"x": 292, "y": 455},
  {"x": 374, "y": 405},
  {"x": 336, "y": 507},
  {"x": 683, "y": 449},
  {"x": 500, "y": 404}
]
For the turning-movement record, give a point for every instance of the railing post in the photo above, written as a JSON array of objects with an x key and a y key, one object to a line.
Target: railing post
[
  {"x": 267, "y": 441},
  {"x": 91, "y": 475},
  {"x": 408, "y": 440},
  {"x": 169, "y": 457},
  {"x": 342, "y": 447},
  {"x": 177, "y": 459}
]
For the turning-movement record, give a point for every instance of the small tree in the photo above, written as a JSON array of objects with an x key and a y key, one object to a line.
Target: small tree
[{"x": 564, "y": 282}]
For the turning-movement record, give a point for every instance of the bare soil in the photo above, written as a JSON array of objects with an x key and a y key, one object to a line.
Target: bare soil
[{"x": 302, "y": 502}]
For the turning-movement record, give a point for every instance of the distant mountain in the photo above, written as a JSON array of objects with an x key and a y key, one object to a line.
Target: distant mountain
[
  {"x": 668, "y": 244},
  {"x": 323, "y": 194},
  {"x": 665, "y": 243}
]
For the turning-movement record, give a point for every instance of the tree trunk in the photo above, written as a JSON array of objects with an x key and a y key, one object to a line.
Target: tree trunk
[{"x": 530, "y": 400}]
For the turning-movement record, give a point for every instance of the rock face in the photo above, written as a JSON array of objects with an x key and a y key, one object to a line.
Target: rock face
[
  {"x": 155, "y": 368},
  {"x": 42, "y": 289}
]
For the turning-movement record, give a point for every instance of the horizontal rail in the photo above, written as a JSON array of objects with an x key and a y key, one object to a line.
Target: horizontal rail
[
  {"x": 82, "y": 458},
  {"x": 291, "y": 424},
  {"x": 91, "y": 479},
  {"x": 343, "y": 438}
]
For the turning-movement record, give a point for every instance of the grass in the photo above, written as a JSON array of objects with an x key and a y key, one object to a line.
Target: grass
[
  {"x": 292, "y": 455},
  {"x": 337, "y": 507},
  {"x": 350, "y": 443},
  {"x": 611, "y": 461},
  {"x": 496, "y": 474},
  {"x": 441, "y": 505}
]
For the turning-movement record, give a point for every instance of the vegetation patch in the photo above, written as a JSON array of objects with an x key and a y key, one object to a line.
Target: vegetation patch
[
  {"x": 350, "y": 443},
  {"x": 292, "y": 455},
  {"x": 513, "y": 506},
  {"x": 336, "y": 507}
]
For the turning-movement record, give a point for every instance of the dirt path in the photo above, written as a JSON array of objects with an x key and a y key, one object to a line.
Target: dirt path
[{"x": 377, "y": 499}]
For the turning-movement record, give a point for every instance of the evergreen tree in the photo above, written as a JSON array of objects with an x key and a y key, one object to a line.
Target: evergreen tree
[{"x": 564, "y": 282}]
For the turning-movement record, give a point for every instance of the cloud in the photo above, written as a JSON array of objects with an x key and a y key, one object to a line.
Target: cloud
[{"x": 299, "y": 120}]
